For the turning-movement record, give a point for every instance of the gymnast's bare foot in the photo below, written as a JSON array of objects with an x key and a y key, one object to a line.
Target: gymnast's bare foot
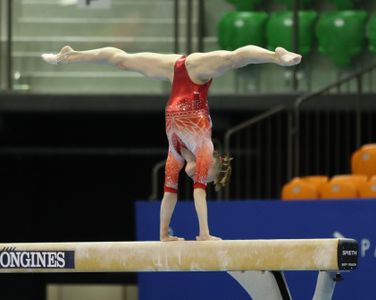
[
  {"x": 207, "y": 237},
  {"x": 287, "y": 58},
  {"x": 169, "y": 238},
  {"x": 59, "y": 58}
]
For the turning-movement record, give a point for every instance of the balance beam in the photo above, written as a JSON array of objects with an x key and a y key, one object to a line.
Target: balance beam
[{"x": 223, "y": 255}]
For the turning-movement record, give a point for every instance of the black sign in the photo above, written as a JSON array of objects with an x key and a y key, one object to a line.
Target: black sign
[
  {"x": 11, "y": 258},
  {"x": 347, "y": 254}
]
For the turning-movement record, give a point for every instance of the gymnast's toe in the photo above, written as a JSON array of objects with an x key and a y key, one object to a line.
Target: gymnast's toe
[{"x": 50, "y": 58}]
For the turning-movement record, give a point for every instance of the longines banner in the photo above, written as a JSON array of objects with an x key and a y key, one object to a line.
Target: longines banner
[
  {"x": 11, "y": 258},
  {"x": 264, "y": 220}
]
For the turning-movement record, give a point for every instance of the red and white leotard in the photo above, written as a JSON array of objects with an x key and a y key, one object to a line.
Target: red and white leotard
[{"x": 188, "y": 125}]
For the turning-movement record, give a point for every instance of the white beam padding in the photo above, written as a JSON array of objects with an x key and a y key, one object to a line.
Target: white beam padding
[{"x": 223, "y": 255}]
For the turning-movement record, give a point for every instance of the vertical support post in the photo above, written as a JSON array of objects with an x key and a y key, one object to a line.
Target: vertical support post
[
  {"x": 358, "y": 111},
  {"x": 189, "y": 26},
  {"x": 2, "y": 35},
  {"x": 154, "y": 180},
  {"x": 290, "y": 144},
  {"x": 176, "y": 26},
  {"x": 295, "y": 41},
  {"x": 296, "y": 139},
  {"x": 201, "y": 25},
  {"x": 227, "y": 152},
  {"x": 9, "y": 76}
]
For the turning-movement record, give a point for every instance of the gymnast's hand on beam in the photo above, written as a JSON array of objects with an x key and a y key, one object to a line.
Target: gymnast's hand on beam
[
  {"x": 171, "y": 238},
  {"x": 286, "y": 58},
  {"x": 207, "y": 238}
]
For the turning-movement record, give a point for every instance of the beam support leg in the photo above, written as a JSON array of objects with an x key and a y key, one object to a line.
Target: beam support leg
[
  {"x": 325, "y": 285},
  {"x": 261, "y": 285}
]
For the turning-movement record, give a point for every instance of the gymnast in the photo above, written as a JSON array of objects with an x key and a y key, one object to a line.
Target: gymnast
[{"x": 188, "y": 123}]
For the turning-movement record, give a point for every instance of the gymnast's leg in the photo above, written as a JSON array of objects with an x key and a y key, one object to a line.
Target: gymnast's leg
[
  {"x": 152, "y": 65},
  {"x": 204, "y": 66},
  {"x": 68, "y": 55},
  {"x": 173, "y": 166}
]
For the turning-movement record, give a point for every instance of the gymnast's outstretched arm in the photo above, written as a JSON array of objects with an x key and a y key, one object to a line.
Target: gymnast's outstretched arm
[
  {"x": 204, "y": 66},
  {"x": 152, "y": 65},
  {"x": 199, "y": 196}
]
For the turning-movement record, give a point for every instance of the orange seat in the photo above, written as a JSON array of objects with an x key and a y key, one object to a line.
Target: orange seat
[
  {"x": 363, "y": 160},
  {"x": 299, "y": 189},
  {"x": 343, "y": 187},
  {"x": 317, "y": 180},
  {"x": 339, "y": 190},
  {"x": 356, "y": 179},
  {"x": 368, "y": 190}
]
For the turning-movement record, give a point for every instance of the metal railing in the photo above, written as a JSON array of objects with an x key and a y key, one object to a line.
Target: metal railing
[
  {"x": 343, "y": 126},
  {"x": 9, "y": 45},
  {"x": 6, "y": 41},
  {"x": 155, "y": 180},
  {"x": 261, "y": 148}
]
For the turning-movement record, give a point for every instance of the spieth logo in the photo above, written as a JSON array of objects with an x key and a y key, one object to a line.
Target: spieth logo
[
  {"x": 349, "y": 252},
  {"x": 11, "y": 258},
  {"x": 366, "y": 246}
]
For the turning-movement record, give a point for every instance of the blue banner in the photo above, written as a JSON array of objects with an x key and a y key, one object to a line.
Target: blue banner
[{"x": 264, "y": 220}]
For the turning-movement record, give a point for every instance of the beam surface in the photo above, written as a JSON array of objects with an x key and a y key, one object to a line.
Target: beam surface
[{"x": 223, "y": 255}]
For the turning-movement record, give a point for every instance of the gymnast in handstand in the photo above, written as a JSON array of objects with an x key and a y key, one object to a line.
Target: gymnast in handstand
[{"x": 188, "y": 123}]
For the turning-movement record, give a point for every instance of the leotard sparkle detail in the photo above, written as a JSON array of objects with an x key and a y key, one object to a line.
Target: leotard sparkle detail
[{"x": 188, "y": 125}]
